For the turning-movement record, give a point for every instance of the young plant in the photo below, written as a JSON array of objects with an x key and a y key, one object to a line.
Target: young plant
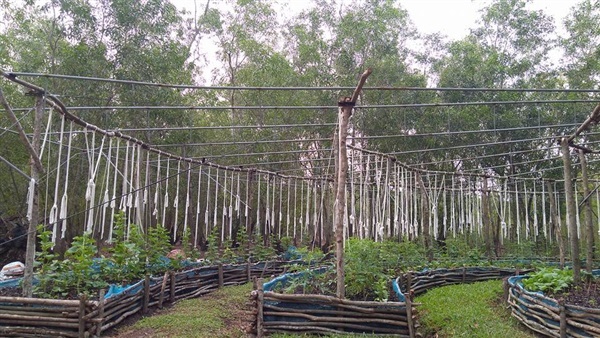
[{"x": 549, "y": 280}]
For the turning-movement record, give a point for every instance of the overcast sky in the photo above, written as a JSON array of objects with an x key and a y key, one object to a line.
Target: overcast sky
[{"x": 453, "y": 18}]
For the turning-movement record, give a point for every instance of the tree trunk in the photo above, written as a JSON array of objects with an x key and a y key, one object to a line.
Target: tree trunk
[
  {"x": 587, "y": 209},
  {"x": 34, "y": 199},
  {"x": 554, "y": 222},
  {"x": 571, "y": 220}
]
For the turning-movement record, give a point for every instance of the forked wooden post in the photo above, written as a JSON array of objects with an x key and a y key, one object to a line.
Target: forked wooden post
[{"x": 345, "y": 105}]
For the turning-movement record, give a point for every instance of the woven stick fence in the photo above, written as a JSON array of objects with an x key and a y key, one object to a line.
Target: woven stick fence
[
  {"x": 420, "y": 282},
  {"x": 311, "y": 313},
  {"x": 551, "y": 317},
  {"x": 35, "y": 317}
]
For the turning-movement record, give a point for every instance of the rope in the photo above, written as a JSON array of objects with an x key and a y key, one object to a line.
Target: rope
[{"x": 176, "y": 203}]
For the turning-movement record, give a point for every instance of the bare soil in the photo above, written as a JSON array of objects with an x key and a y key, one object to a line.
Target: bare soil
[{"x": 585, "y": 295}]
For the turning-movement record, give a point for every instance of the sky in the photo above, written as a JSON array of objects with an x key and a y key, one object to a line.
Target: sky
[{"x": 453, "y": 18}]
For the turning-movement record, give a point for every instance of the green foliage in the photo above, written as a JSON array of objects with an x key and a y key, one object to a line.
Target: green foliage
[
  {"x": 77, "y": 274},
  {"x": 549, "y": 280},
  {"x": 127, "y": 257}
]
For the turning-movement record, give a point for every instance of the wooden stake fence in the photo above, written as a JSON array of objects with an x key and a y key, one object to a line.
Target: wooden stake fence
[{"x": 36, "y": 317}]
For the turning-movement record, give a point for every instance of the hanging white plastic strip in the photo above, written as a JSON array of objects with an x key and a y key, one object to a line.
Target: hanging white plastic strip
[
  {"x": 47, "y": 134},
  {"x": 287, "y": 227},
  {"x": 224, "y": 212},
  {"x": 176, "y": 202},
  {"x": 517, "y": 211},
  {"x": 543, "y": 200},
  {"x": 598, "y": 207},
  {"x": 268, "y": 207},
  {"x": 258, "y": 208},
  {"x": 198, "y": 206},
  {"x": 307, "y": 217},
  {"x": 206, "y": 212},
  {"x": 216, "y": 204},
  {"x": 577, "y": 219},
  {"x": 296, "y": 207},
  {"x": 106, "y": 199},
  {"x": 63, "y": 204},
  {"x": 535, "y": 213},
  {"x": 53, "y": 218},
  {"x": 301, "y": 210},
  {"x": 237, "y": 196},
  {"x": 166, "y": 198},
  {"x": 526, "y": 199},
  {"x": 231, "y": 204},
  {"x": 187, "y": 199},
  {"x": 157, "y": 189},
  {"x": 124, "y": 189},
  {"x": 114, "y": 194},
  {"x": 30, "y": 198}
]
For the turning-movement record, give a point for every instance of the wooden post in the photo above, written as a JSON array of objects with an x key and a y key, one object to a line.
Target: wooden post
[
  {"x": 100, "y": 312},
  {"x": 559, "y": 233},
  {"x": 464, "y": 274},
  {"x": 563, "y": 319},
  {"x": 172, "y": 287},
  {"x": 36, "y": 169},
  {"x": 571, "y": 217},
  {"x": 81, "y": 317},
  {"x": 259, "y": 311},
  {"x": 220, "y": 267},
  {"x": 146, "y": 294},
  {"x": 587, "y": 209},
  {"x": 248, "y": 270},
  {"x": 409, "y": 315},
  {"x": 345, "y": 111},
  {"x": 161, "y": 297}
]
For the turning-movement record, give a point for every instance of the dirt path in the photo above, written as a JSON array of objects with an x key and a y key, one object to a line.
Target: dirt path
[{"x": 221, "y": 314}]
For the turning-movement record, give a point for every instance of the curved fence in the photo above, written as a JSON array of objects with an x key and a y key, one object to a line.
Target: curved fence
[{"x": 549, "y": 316}]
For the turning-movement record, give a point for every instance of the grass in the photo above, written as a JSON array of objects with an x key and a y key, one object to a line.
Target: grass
[
  {"x": 468, "y": 310},
  {"x": 220, "y": 314}
]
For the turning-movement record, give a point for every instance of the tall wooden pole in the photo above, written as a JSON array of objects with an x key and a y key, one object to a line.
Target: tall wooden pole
[
  {"x": 587, "y": 210},
  {"x": 34, "y": 199},
  {"x": 571, "y": 217},
  {"x": 345, "y": 111}
]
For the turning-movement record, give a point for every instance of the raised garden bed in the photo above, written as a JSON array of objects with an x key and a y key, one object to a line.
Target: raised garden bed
[
  {"x": 312, "y": 313},
  {"x": 549, "y": 316},
  {"x": 36, "y": 317}
]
